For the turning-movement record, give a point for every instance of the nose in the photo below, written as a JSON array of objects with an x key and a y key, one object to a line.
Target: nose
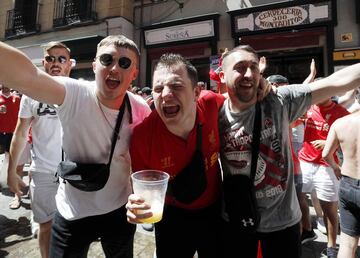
[
  {"x": 114, "y": 67},
  {"x": 248, "y": 72},
  {"x": 166, "y": 92}
]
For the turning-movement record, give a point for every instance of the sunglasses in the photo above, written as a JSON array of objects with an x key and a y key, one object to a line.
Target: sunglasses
[
  {"x": 107, "y": 59},
  {"x": 52, "y": 59}
]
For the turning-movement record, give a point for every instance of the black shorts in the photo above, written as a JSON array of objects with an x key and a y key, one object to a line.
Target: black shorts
[
  {"x": 349, "y": 205},
  {"x": 5, "y": 141}
]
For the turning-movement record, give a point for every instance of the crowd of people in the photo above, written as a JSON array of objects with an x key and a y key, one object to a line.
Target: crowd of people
[{"x": 110, "y": 129}]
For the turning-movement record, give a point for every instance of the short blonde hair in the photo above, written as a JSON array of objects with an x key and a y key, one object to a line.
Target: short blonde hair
[
  {"x": 119, "y": 41},
  {"x": 54, "y": 44}
]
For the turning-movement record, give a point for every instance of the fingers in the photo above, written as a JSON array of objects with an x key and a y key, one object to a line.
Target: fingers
[
  {"x": 15, "y": 185},
  {"x": 137, "y": 209},
  {"x": 136, "y": 217},
  {"x": 137, "y": 212},
  {"x": 263, "y": 89}
]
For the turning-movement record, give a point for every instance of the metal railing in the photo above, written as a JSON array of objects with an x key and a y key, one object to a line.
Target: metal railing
[
  {"x": 18, "y": 24},
  {"x": 68, "y": 12}
]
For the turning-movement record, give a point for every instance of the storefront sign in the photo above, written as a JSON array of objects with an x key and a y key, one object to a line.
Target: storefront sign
[
  {"x": 188, "y": 31},
  {"x": 283, "y": 17},
  {"x": 346, "y": 37},
  {"x": 346, "y": 55}
]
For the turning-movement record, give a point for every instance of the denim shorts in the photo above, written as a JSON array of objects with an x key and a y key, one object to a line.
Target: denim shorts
[{"x": 349, "y": 205}]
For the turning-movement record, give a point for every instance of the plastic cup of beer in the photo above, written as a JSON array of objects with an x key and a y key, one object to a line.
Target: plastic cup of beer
[{"x": 151, "y": 185}]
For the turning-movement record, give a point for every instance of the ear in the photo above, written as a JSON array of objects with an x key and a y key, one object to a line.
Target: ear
[
  {"x": 222, "y": 76},
  {"x": 94, "y": 66},
  {"x": 197, "y": 91},
  {"x": 43, "y": 62},
  {"x": 135, "y": 74}
]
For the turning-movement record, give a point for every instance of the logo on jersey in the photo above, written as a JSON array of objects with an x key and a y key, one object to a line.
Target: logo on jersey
[
  {"x": 45, "y": 109},
  {"x": 248, "y": 222}
]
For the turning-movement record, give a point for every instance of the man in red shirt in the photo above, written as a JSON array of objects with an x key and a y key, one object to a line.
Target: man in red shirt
[
  {"x": 9, "y": 109},
  {"x": 184, "y": 124},
  {"x": 317, "y": 174}
]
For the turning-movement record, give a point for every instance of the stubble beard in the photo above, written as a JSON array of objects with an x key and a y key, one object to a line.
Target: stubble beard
[{"x": 245, "y": 98}]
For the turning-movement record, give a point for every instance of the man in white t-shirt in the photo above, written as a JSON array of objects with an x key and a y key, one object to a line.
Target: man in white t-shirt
[
  {"x": 45, "y": 148},
  {"x": 88, "y": 112}
]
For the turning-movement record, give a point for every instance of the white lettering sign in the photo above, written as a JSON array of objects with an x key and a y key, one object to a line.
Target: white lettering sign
[{"x": 188, "y": 31}]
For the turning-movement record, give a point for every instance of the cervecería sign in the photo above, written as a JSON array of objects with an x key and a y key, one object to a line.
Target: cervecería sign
[{"x": 283, "y": 17}]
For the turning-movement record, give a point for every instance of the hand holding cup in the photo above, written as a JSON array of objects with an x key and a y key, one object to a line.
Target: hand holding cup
[{"x": 147, "y": 203}]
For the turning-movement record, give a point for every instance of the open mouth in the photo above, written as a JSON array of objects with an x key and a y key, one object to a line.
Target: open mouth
[
  {"x": 171, "y": 111},
  {"x": 112, "y": 83},
  {"x": 55, "y": 71}
]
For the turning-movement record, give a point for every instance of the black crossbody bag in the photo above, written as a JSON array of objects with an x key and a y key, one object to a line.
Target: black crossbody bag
[
  {"x": 239, "y": 190},
  {"x": 91, "y": 177},
  {"x": 191, "y": 182}
]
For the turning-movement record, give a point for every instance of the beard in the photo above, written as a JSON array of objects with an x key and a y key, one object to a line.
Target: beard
[{"x": 247, "y": 95}]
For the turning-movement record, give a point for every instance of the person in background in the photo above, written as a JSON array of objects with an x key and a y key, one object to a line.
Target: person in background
[
  {"x": 344, "y": 133},
  {"x": 146, "y": 93},
  {"x": 317, "y": 174},
  {"x": 9, "y": 109},
  {"x": 46, "y": 151},
  {"x": 202, "y": 85}
]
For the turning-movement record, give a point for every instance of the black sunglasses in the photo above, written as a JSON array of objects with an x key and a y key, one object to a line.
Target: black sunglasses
[
  {"x": 52, "y": 59},
  {"x": 107, "y": 59}
]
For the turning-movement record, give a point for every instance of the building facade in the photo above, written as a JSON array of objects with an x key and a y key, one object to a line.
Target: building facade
[
  {"x": 80, "y": 24},
  {"x": 288, "y": 33}
]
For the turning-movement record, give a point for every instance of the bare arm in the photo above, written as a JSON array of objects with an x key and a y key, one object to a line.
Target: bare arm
[
  {"x": 331, "y": 145},
  {"x": 17, "y": 70},
  {"x": 344, "y": 80},
  {"x": 347, "y": 99},
  {"x": 17, "y": 146},
  {"x": 312, "y": 74}
]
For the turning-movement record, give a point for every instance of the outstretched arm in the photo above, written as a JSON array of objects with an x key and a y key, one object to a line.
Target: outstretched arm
[
  {"x": 17, "y": 70},
  {"x": 344, "y": 80},
  {"x": 17, "y": 146}
]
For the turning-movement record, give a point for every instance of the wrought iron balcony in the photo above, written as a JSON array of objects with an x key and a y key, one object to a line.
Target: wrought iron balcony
[
  {"x": 68, "y": 12},
  {"x": 19, "y": 22}
]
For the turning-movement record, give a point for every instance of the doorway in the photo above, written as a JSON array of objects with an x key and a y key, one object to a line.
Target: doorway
[{"x": 294, "y": 64}]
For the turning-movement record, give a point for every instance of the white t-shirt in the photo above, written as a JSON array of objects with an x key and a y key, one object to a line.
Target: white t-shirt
[
  {"x": 87, "y": 138},
  {"x": 46, "y": 135}
]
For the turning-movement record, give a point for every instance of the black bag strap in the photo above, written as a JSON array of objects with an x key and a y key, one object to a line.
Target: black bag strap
[
  {"x": 126, "y": 102},
  {"x": 256, "y": 141}
]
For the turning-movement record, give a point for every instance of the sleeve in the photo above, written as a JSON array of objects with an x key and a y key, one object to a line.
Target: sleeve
[
  {"x": 75, "y": 95},
  {"x": 207, "y": 94},
  {"x": 25, "y": 107},
  {"x": 297, "y": 99}
]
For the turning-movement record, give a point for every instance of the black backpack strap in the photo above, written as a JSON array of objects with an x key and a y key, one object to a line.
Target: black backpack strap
[{"x": 256, "y": 141}]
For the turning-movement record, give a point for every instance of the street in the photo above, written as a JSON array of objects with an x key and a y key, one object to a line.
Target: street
[
  {"x": 16, "y": 239},
  {"x": 15, "y": 231}
]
